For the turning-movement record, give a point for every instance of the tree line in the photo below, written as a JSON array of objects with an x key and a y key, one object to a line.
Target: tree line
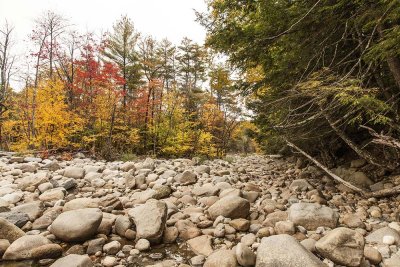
[
  {"x": 122, "y": 92},
  {"x": 322, "y": 74}
]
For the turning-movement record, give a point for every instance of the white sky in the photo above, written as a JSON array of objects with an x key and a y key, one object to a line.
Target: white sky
[{"x": 172, "y": 19}]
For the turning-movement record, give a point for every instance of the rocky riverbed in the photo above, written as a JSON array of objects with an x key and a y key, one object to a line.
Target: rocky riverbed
[{"x": 249, "y": 211}]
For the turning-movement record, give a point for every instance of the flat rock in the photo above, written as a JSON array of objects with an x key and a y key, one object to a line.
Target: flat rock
[
  {"x": 201, "y": 245},
  {"x": 343, "y": 246},
  {"x": 73, "y": 260},
  {"x": 23, "y": 247},
  {"x": 311, "y": 216},
  {"x": 284, "y": 251},
  {"x": 81, "y": 203},
  {"x": 230, "y": 207},
  {"x": 376, "y": 237},
  {"x": 221, "y": 258},
  {"x": 74, "y": 172}
]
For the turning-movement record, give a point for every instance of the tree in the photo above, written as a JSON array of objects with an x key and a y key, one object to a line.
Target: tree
[
  {"x": 151, "y": 65},
  {"x": 191, "y": 73},
  {"x": 167, "y": 53},
  {"x": 350, "y": 47},
  {"x": 120, "y": 49},
  {"x": 7, "y": 60},
  {"x": 67, "y": 56},
  {"x": 44, "y": 36},
  {"x": 54, "y": 123}
]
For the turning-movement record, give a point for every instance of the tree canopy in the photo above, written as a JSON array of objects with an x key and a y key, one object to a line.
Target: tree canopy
[{"x": 319, "y": 73}]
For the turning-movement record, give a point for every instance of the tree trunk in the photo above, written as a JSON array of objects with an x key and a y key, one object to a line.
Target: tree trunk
[
  {"x": 360, "y": 152},
  {"x": 110, "y": 133},
  {"x": 394, "y": 66}
]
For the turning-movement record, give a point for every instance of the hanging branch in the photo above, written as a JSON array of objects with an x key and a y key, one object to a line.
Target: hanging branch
[{"x": 382, "y": 139}]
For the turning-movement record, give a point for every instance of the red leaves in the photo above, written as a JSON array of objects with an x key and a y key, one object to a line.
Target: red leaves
[{"x": 94, "y": 78}]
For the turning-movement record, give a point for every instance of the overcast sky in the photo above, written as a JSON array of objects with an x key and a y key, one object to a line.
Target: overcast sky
[{"x": 172, "y": 19}]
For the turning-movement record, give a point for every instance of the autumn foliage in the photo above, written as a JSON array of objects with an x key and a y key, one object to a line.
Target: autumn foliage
[{"x": 123, "y": 94}]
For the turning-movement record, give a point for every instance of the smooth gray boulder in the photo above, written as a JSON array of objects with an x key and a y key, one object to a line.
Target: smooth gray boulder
[
  {"x": 73, "y": 260},
  {"x": 74, "y": 172},
  {"x": 81, "y": 203},
  {"x": 221, "y": 258},
  {"x": 233, "y": 207},
  {"x": 342, "y": 246},
  {"x": 9, "y": 231},
  {"x": 24, "y": 247},
  {"x": 150, "y": 219},
  {"x": 311, "y": 215},
  {"x": 186, "y": 178},
  {"x": 284, "y": 251},
  {"x": 77, "y": 225},
  {"x": 376, "y": 237}
]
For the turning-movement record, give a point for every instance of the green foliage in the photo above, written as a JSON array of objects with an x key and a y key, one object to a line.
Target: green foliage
[
  {"x": 312, "y": 68},
  {"x": 128, "y": 157}
]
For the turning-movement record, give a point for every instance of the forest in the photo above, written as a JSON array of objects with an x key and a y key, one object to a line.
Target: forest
[
  {"x": 121, "y": 93},
  {"x": 324, "y": 75}
]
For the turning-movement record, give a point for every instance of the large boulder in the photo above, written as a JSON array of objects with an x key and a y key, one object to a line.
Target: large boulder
[
  {"x": 47, "y": 218},
  {"x": 221, "y": 258},
  {"x": 201, "y": 245},
  {"x": 73, "y": 260},
  {"x": 81, "y": 203},
  {"x": 33, "y": 209},
  {"x": 122, "y": 224},
  {"x": 360, "y": 179},
  {"x": 24, "y": 247},
  {"x": 343, "y": 246},
  {"x": 186, "y": 178},
  {"x": 311, "y": 216},
  {"x": 9, "y": 231},
  {"x": 376, "y": 237},
  {"x": 15, "y": 217},
  {"x": 233, "y": 207},
  {"x": 244, "y": 255},
  {"x": 127, "y": 166},
  {"x": 284, "y": 250},
  {"x": 77, "y": 225},
  {"x": 150, "y": 219},
  {"x": 33, "y": 180},
  {"x": 74, "y": 172}
]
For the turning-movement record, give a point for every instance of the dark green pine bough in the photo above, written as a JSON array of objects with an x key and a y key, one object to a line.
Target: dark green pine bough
[{"x": 330, "y": 79}]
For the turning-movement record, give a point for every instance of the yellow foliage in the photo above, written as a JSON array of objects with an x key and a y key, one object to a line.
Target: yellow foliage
[
  {"x": 206, "y": 145},
  {"x": 49, "y": 116}
]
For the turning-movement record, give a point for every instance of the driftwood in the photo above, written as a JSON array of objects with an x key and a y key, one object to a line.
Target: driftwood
[
  {"x": 377, "y": 194},
  {"x": 385, "y": 192}
]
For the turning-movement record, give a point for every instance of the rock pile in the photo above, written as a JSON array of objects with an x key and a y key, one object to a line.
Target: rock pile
[{"x": 252, "y": 211}]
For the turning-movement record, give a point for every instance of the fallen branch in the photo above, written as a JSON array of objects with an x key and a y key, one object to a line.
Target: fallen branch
[
  {"x": 325, "y": 169},
  {"x": 377, "y": 194},
  {"x": 385, "y": 192}
]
